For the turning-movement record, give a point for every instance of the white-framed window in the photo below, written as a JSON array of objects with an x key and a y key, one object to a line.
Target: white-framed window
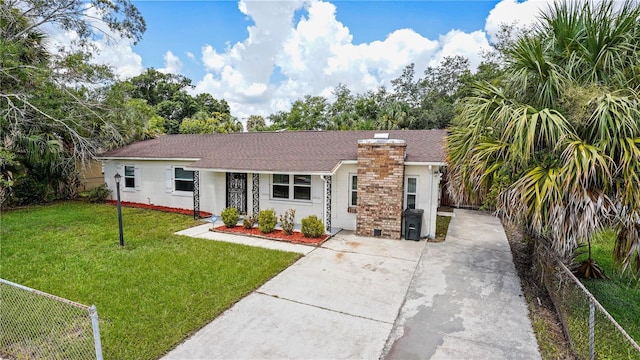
[
  {"x": 411, "y": 192},
  {"x": 129, "y": 177},
  {"x": 182, "y": 179},
  {"x": 291, "y": 187},
  {"x": 353, "y": 190}
]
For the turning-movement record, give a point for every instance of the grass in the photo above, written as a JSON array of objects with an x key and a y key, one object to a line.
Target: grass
[
  {"x": 621, "y": 294},
  {"x": 547, "y": 339},
  {"x": 442, "y": 226},
  {"x": 152, "y": 293}
]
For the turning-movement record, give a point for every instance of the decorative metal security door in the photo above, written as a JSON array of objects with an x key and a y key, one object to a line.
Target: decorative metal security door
[{"x": 237, "y": 191}]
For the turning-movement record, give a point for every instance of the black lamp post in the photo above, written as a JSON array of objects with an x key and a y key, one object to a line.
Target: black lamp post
[{"x": 118, "y": 177}]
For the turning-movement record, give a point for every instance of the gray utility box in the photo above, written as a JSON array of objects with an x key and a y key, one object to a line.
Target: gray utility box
[{"x": 413, "y": 224}]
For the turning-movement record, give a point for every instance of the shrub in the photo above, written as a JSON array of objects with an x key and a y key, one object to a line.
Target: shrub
[
  {"x": 287, "y": 221},
  {"x": 249, "y": 221},
  {"x": 312, "y": 227},
  {"x": 267, "y": 220},
  {"x": 230, "y": 217},
  {"x": 98, "y": 194}
]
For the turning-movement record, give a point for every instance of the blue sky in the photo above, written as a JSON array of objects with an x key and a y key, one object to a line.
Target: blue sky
[
  {"x": 184, "y": 26},
  {"x": 261, "y": 56}
]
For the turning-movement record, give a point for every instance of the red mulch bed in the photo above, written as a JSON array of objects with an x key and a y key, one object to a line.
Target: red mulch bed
[
  {"x": 295, "y": 238},
  {"x": 158, "y": 208}
]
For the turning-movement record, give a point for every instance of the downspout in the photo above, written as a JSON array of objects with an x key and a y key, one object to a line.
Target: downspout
[{"x": 430, "y": 200}]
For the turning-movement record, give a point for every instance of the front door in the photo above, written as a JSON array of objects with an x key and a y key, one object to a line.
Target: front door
[{"x": 237, "y": 191}]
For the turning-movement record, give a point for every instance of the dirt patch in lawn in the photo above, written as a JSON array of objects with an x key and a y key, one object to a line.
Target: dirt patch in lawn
[
  {"x": 546, "y": 324},
  {"x": 295, "y": 238}
]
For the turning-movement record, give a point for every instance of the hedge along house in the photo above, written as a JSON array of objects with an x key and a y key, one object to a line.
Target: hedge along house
[{"x": 354, "y": 180}]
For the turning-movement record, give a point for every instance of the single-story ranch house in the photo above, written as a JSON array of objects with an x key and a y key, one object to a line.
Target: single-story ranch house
[{"x": 354, "y": 180}]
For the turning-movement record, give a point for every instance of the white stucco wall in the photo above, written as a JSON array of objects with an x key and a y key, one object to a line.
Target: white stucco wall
[
  {"x": 155, "y": 185},
  {"x": 428, "y": 185},
  {"x": 213, "y": 187},
  {"x": 340, "y": 217}
]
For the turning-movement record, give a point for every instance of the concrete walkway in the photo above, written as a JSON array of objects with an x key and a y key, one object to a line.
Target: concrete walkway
[
  {"x": 346, "y": 299},
  {"x": 202, "y": 232},
  {"x": 465, "y": 300}
]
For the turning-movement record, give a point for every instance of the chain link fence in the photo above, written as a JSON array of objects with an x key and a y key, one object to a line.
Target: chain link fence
[
  {"x": 37, "y": 325},
  {"x": 590, "y": 329}
]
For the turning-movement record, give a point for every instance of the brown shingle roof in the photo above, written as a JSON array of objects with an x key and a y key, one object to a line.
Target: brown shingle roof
[{"x": 288, "y": 151}]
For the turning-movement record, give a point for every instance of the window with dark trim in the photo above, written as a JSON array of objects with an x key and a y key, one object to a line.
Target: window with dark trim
[
  {"x": 411, "y": 195},
  {"x": 129, "y": 177},
  {"x": 291, "y": 187},
  {"x": 353, "y": 190},
  {"x": 182, "y": 179}
]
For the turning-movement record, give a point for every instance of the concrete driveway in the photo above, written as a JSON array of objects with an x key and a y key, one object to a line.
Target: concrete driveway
[
  {"x": 370, "y": 298},
  {"x": 339, "y": 301},
  {"x": 465, "y": 300}
]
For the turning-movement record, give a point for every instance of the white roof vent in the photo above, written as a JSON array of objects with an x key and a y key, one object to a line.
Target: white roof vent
[{"x": 381, "y": 136}]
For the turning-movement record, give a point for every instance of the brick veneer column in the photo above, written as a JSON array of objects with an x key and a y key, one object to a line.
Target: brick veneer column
[{"x": 380, "y": 187}]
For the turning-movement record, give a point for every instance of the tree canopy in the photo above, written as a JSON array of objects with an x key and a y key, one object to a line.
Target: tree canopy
[
  {"x": 50, "y": 117},
  {"x": 426, "y": 102},
  {"x": 555, "y": 144}
]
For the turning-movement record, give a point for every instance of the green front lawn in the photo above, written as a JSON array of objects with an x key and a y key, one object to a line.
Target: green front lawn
[
  {"x": 152, "y": 293},
  {"x": 621, "y": 294}
]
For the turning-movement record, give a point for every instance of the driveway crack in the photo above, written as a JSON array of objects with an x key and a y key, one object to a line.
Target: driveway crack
[{"x": 324, "y": 308}]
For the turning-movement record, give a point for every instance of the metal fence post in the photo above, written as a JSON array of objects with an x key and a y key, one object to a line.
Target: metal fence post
[
  {"x": 96, "y": 331},
  {"x": 592, "y": 309}
]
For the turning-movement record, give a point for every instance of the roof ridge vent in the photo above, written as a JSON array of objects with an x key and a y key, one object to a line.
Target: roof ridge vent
[{"x": 381, "y": 136}]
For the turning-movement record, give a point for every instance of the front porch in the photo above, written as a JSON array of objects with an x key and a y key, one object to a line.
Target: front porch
[{"x": 250, "y": 193}]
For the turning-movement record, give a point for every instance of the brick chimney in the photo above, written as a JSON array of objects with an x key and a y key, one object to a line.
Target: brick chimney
[{"x": 380, "y": 186}]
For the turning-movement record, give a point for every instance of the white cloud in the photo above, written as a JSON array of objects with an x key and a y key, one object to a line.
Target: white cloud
[
  {"x": 512, "y": 12},
  {"x": 211, "y": 59},
  {"x": 172, "y": 64},
  {"x": 314, "y": 55},
  {"x": 460, "y": 43},
  {"x": 111, "y": 49}
]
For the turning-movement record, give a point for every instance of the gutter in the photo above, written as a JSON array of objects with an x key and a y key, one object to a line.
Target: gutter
[
  {"x": 288, "y": 172},
  {"x": 102, "y": 158}
]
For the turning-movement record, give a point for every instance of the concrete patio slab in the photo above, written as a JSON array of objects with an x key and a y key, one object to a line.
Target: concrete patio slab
[
  {"x": 264, "y": 327},
  {"x": 202, "y": 232}
]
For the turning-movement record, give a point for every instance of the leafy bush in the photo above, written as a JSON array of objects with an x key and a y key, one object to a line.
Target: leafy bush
[
  {"x": 98, "y": 194},
  {"x": 230, "y": 217},
  {"x": 312, "y": 227},
  {"x": 29, "y": 190},
  {"x": 287, "y": 221},
  {"x": 249, "y": 221},
  {"x": 267, "y": 220}
]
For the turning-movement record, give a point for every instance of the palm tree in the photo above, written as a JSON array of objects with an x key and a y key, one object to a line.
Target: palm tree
[
  {"x": 563, "y": 127},
  {"x": 393, "y": 116}
]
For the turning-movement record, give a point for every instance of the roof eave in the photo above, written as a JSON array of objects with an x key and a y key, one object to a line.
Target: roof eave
[
  {"x": 144, "y": 158},
  {"x": 426, "y": 163},
  {"x": 305, "y": 172}
]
